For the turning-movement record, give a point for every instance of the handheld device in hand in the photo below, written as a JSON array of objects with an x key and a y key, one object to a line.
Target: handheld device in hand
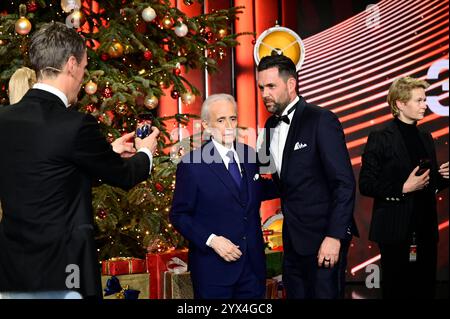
[
  {"x": 143, "y": 131},
  {"x": 144, "y": 125},
  {"x": 424, "y": 164}
]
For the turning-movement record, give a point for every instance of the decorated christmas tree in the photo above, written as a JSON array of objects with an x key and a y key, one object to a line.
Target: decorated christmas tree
[{"x": 137, "y": 51}]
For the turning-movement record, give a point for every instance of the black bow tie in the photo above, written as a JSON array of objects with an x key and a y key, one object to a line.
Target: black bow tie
[{"x": 284, "y": 118}]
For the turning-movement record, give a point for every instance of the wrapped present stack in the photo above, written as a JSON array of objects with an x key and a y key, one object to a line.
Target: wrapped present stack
[
  {"x": 169, "y": 278},
  {"x": 125, "y": 278}
]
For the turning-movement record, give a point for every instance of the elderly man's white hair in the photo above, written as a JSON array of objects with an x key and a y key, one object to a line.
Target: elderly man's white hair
[{"x": 213, "y": 99}]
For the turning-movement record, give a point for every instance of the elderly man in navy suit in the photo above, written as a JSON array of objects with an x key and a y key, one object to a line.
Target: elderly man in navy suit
[
  {"x": 312, "y": 168},
  {"x": 216, "y": 207}
]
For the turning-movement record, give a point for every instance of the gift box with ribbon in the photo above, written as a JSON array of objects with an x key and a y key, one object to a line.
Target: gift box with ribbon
[
  {"x": 134, "y": 286},
  {"x": 177, "y": 280},
  {"x": 123, "y": 265},
  {"x": 159, "y": 263}
]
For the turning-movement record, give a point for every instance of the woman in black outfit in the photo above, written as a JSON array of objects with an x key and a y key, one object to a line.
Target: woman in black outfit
[{"x": 404, "y": 219}]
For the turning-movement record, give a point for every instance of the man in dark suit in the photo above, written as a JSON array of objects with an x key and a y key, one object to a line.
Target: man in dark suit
[
  {"x": 50, "y": 156},
  {"x": 306, "y": 147},
  {"x": 216, "y": 207}
]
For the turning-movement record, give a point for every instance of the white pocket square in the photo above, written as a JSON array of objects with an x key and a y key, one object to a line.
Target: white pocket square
[{"x": 299, "y": 146}]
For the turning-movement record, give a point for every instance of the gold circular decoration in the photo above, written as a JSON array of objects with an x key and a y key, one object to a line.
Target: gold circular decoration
[{"x": 280, "y": 40}]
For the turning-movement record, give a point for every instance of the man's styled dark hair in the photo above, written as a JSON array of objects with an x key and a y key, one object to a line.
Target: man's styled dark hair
[
  {"x": 286, "y": 68},
  {"x": 52, "y": 46}
]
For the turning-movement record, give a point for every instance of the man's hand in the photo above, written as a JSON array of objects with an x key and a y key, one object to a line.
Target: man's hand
[
  {"x": 225, "y": 248},
  {"x": 328, "y": 254},
  {"x": 150, "y": 142},
  {"x": 124, "y": 146},
  {"x": 443, "y": 170}
]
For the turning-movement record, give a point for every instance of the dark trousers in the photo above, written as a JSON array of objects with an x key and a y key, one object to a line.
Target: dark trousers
[
  {"x": 248, "y": 286},
  {"x": 304, "y": 279},
  {"x": 404, "y": 279}
]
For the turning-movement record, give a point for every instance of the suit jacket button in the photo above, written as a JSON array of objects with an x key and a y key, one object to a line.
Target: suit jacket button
[
  {"x": 244, "y": 238},
  {"x": 245, "y": 218}
]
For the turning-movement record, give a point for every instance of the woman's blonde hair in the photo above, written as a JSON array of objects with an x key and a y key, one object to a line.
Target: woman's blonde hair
[
  {"x": 21, "y": 81},
  {"x": 400, "y": 90}
]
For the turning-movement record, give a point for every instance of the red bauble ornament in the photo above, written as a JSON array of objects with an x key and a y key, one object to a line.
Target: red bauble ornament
[
  {"x": 148, "y": 55},
  {"x": 209, "y": 35},
  {"x": 159, "y": 187},
  {"x": 104, "y": 57},
  {"x": 107, "y": 92},
  {"x": 254, "y": 41},
  {"x": 90, "y": 108},
  {"x": 141, "y": 27},
  {"x": 177, "y": 71},
  {"x": 32, "y": 6},
  {"x": 101, "y": 213},
  {"x": 175, "y": 94}
]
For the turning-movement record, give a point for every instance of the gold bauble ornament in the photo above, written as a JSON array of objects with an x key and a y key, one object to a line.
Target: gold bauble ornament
[
  {"x": 70, "y": 5},
  {"x": 167, "y": 22},
  {"x": 151, "y": 102},
  {"x": 115, "y": 50},
  {"x": 222, "y": 33},
  {"x": 23, "y": 26},
  {"x": 188, "y": 98},
  {"x": 76, "y": 19},
  {"x": 90, "y": 88}
]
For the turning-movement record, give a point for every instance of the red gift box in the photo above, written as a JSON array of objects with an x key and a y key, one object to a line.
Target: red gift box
[
  {"x": 157, "y": 264},
  {"x": 122, "y": 266}
]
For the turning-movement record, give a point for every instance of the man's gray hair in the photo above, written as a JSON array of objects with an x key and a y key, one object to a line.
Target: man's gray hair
[
  {"x": 213, "y": 99},
  {"x": 52, "y": 46}
]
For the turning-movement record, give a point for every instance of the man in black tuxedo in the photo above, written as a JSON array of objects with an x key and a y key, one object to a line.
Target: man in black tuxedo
[
  {"x": 305, "y": 146},
  {"x": 50, "y": 156}
]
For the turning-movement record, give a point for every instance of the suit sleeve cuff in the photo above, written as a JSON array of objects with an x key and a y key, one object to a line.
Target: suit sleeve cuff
[
  {"x": 210, "y": 238},
  {"x": 150, "y": 156}
]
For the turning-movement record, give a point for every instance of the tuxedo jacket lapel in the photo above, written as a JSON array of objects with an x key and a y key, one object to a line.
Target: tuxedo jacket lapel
[{"x": 290, "y": 140}]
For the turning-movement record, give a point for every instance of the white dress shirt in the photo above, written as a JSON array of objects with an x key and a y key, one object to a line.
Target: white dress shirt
[
  {"x": 223, "y": 150},
  {"x": 279, "y": 137},
  {"x": 51, "y": 89}
]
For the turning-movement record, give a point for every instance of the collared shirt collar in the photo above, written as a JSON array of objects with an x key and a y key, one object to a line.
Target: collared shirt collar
[
  {"x": 223, "y": 150},
  {"x": 286, "y": 110},
  {"x": 53, "y": 90}
]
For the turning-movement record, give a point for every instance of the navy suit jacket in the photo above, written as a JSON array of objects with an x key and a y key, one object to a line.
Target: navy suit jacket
[
  {"x": 317, "y": 186},
  {"x": 207, "y": 200}
]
